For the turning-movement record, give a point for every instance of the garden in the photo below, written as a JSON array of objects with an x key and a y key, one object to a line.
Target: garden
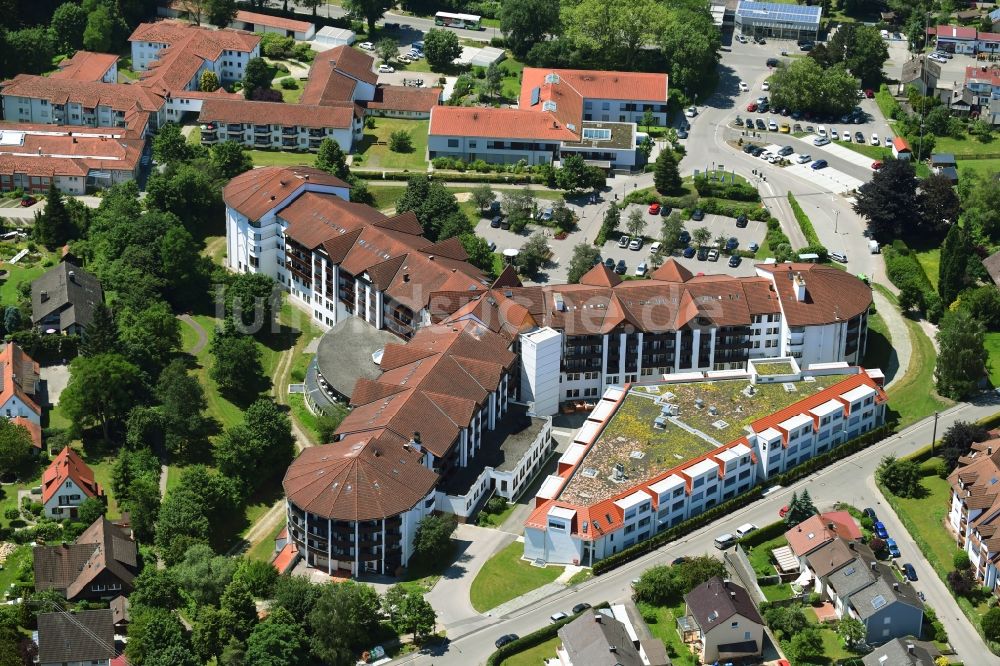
[
  {"x": 384, "y": 148},
  {"x": 506, "y": 576}
]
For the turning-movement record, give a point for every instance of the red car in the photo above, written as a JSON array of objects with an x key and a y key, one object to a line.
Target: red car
[
  {"x": 752, "y": 106},
  {"x": 28, "y": 201},
  {"x": 654, "y": 208},
  {"x": 869, "y": 93},
  {"x": 783, "y": 511},
  {"x": 876, "y": 165}
]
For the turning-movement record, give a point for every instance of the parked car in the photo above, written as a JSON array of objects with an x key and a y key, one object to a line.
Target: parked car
[
  {"x": 545, "y": 214},
  {"x": 821, "y": 130},
  {"x": 689, "y": 252},
  {"x": 741, "y": 221},
  {"x": 732, "y": 244},
  {"x": 819, "y": 164},
  {"x": 620, "y": 268},
  {"x": 738, "y": 122},
  {"x": 579, "y": 608},
  {"x": 786, "y": 151},
  {"x": 772, "y": 62},
  {"x": 698, "y": 215},
  {"x": 713, "y": 255},
  {"x": 609, "y": 263},
  {"x": 655, "y": 247},
  {"x": 891, "y": 546},
  {"x": 745, "y": 529},
  {"x": 623, "y": 242},
  {"x": 744, "y": 87},
  {"x": 783, "y": 511},
  {"x": 682, "y": 133},
  {"x": 367, "y": 46},
  {"x": 702, "y": 253},
  {"x": 27, "y": 201},
  {"x": 840, "y": 257},
  {"x": 888, "y": 141},
  {"x": 752, "y": 106},
  {"x": 937, "y": 57},
  {"x": 772, "y": 125},
  {"x": 505, "y": 224},
  {"x": 495, "y": 222},
  {"x": 641, "y": 269},
  {"x": 910, "y": 572},
  {"x": 802, "y": 159},
  {"x": 876, "y": 165},
  {"x": 735, "y": 261},
  {"x": 785, "y": 128},
  {"x": 821, "y": 141},
  {"x": 753, "y": 247},
  {"x": 859, "y": 137},
  {"x": 765, "y": 86},
  {"x": 880, "y": 530},
  {"x": 870, "y": 512},
  {"x": 665, "y": 210},
  {"x": 869, "y": 93},
  {"x": 760, "y": 124},
  {"x": 833, "y": 134},
  {"x": 505, "y": 639},
  {"x": 635, "y": 244},
  {"x": 684, "y": 238},
  {"x": 556, "y": 617},
  {"x": 386, "y": 69},
  {"x": 796, "y": 127},
  {"x": 875, "y": 140},
  {"x": 654, "y": 208}
]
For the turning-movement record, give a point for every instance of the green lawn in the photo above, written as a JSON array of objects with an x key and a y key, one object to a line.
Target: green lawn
[
  {"x": 264, "y": 550},
  {"x": 924, "y": 520},
  {"x": 662, "y": 622},
  {"x": 386, "y": 196},
  {"x": 194, "y": 136},
  {"x": 17, "y": 566},
  {"x": 882, "y": 153},
  {"x": 280, "y": 158},
  {"x": 506, "y": 576},
  {"x": 777, "y": 592},
  {"x": 993, "y": 347},
  {"x": 8, "y": 494},
  {"x": 910, "y": 397},
  {"x": 289, "y": 96},
  {"x": 496, "y": 519},
  {"x": 930, "y": 261},
  {"x": 102, "y": 474},
  {"x": 967, "y": 146},
  {"x": 979, "y": 166},
  {"x": 373, "y": 151},
  {"x": 536, "y": 655},
  {"x": 26, "y": 270}
]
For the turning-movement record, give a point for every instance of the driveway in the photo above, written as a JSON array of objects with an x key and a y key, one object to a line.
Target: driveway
[
  {"x": 56, "y": 377},
  {"x": 450, "y": 597}
]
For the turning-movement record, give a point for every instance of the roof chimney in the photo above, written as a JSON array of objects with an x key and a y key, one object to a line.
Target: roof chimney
[
  {"x": 44, "y": 296},
  {"x": 874, "y": 566},
  {"x": 832, "y": 526},
  {"x": 72, "y": 276},
  {"x": 732, "y": 595},
  {"x": 895, "y": 586},
  {"x": 910, "y": 648},
  {"x": 612, "y": 648},
  {"x": 406, "y": 277},
  {"x": 989, "y": 450},
  {"x": 597, "y": 618},
  {"x": 850, "y": 544},
  {"x": 725, "y": 583},
  {"x": 799, "y": 283}
]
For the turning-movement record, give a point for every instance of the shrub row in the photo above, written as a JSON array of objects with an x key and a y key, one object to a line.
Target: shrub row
[
  {"x": 721, "y": 190},
  {"x": 454, "y": 176},
  {"x": 534, "y": 638},
  {"x": 887, "y": 103},
  {"x": 482, "y": 166},
  {"x": 47, "y": 349},
  {"x": 766, "y": 533},
  {"x": 906, "y": 273},
  {"x": 740, "y": 501},
  {"x": 804, "y": 222}
]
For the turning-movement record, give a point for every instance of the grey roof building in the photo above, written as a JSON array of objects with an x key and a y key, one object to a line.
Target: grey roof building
[
  {"x": 887, "y": 608},
  {"x": 346, "y": 353},
  {"x": 595, "y": 639},
  {"x": 64, "y": 299},
  {"x": 906, "y": 651},
  {"x": 83, "y": 637},
  {"x": 992, "y": 264},
  {"x": 729, "y": 624}
]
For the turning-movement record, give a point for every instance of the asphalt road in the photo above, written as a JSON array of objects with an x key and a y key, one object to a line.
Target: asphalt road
[
  {"x": 472, "y": 643},
  {"x": 407, "y": 24}
]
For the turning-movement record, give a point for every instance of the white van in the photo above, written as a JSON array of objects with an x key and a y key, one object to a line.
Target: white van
[
  {"x": 821, "y": 130},
  {"x": 724, "y": 541},
  {"x": 839, "y": 256},
  {"x": 873, "y": 247},
  {"x": 745, "y": 529}
]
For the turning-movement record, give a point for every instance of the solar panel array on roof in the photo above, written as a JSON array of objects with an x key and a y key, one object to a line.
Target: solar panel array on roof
[
  {"x": 772, "y": 11},
  {"x": 535, "y": 94}
]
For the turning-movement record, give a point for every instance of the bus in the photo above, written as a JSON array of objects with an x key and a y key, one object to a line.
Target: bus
[{"x": 467, "y": 21}]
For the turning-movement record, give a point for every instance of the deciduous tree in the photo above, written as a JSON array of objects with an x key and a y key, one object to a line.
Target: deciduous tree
[
  {"x": 441, "y": 47},
  {"x": 15, "y": 446},
  {"x": 585, "y": 257},
  {"x": 278, "y": 641},
  {"x": 69, "y": 21},
  {"x": 615, "y": 32},
  {"x": 901, "y": 477},
  {"x": 482, "y": 195},
  {"x": 101, "y": 391},
  {"x": 342, "y": 621},
  {"x": 236, "y": 368},
  {"x": 256, "y": 76},
  {"x": 689, "y": 42},
  {"x": 480, "y": 254},
  {"x": 369, "y": 10},
  {"x": 331, "y": 158},
  {"x": 670, "y": 233},
  {"x": 525, "y": 23},
  {"x": 636, "y": 223},
  {"x": 432, "y": 541},
  {"x": 220, "y": 13},
  {"x": 170, "y": 146},
  {"x": 230, "y": 159},
  {"x": 532, "y": 255},
  {"x": 888, "y": 199},
  {"x": 386, "y": 49}
]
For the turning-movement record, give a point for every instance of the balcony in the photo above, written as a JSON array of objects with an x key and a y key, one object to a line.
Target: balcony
[
  {"x": 289, "y": 131},
  {"x": 234, "y": 128},
  {"x": 262, "y": 141},
  {"x": 317, "y": 133},
  {"x": 261, "y": 129},
  {"x": 288, "y": 143}
]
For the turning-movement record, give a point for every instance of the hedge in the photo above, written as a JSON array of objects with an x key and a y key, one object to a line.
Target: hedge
[
  {"x": 538, "y": 637},
  {"x": 740, "y": 501},
  {"x": 453, "y": 176},
  {"x": 731, "y": 191},
  {"x": 804, "y": 222},
  {"x": 47, "y": 349},
  {"x": 766, "y": 533},
  {"x": 905, "y": 271}
]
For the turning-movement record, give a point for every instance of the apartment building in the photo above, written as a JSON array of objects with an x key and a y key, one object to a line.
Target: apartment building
[
  {"x": 652, "y": 455},
  {"x": 975, "y": 507},
  {"x": 280, "y": 126},
  {"x": 560, "y": 112},
  {"x": 175, "y": 53},
  {"x": 89, "y": 66}
]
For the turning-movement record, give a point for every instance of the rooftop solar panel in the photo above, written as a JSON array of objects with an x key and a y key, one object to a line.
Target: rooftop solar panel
[
  {"x": 773, "y": 11},
  {"x": 535, "y": 93}
]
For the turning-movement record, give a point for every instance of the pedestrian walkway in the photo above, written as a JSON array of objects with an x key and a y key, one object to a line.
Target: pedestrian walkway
[{"x": 899, "y": 359}]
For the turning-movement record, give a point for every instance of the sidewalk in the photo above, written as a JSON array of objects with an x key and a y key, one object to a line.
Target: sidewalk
[{"x": 902, "y": 347}]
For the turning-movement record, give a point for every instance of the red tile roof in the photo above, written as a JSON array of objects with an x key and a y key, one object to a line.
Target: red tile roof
[
  {"x": 69, "y": 150},
  {"x": 85, "y": 66},
  {"x": 600, "y": 276},
  {"x": 990, "y": 75},
  {"x": 256, "y": 192},
  {"x": 954, "y": 32},
  {"x": 273, "y": 21},
  {"x": 334, "y": 74},
  {"x": 33, "y": 429},
  {"x": 91, "y": 94},
  {"x": 815, "y": 531},
  {"x": 497, "y": 123},
  {"x": 403, "y": 98},
  {"x": 285, "y": 559},
  {"x": 19, "y": 374},
  {"x": 593, "y": 84},
  {"x": 900, "y": 144},
  {"x": 831, "y": 295},
  {"x": 68, "y": 465},
  {"x": 276, "y": 113}
]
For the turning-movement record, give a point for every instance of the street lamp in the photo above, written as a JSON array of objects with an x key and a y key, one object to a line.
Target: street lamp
[
  {"x": 934, "y": 436},
  {"x": 836, "y": 221}
]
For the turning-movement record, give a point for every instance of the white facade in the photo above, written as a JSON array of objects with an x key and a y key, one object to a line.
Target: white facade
[
  {"x": 494, "y": 151},
  {"x": 40, "y": 111},
  {"x": 15, "y": 407},
  {"x": 540, "y": 358},
  {"x": 621, "y": 111},
  {"x": 64, "y": 501},
  {"x": 230, "y": 66},
  {"x": 283, "y": 137}
]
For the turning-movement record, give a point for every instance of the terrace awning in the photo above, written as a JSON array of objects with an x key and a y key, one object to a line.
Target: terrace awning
[{"x": 787, "y": 562}]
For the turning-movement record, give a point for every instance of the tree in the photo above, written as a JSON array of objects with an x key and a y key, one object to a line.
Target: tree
[
  {"x": 698, "y": 570},
  {"x": 237, "y": 368},
  {"x": 270, "y": 425},
  {"x": 153, "y": 631},
  {"x": 525, "y": 23},
  {"x": 900, "y": 477},
  {"x": 101, "y": 390},
  {"x": 804, "y": 84},
  {"x": 257, "y": 75},
  {"x": 480, "y": 254},
  {"x": 386, "y": 49},
  {"x": 331, "y": 158},
  {"x": 955, "y": 254},
  {"x": 572, "y": 173},
  {"x": 786, "y": 620},
  {"x": 983, "y": 304},
  {"x": 800, "y": 508},
  {"x": 237, "y": 610},
  {"x": 689, "y": 43},
  {"x": 806, "y": 643},
  {"x": 958, "y": 439},
  {"x": 962, "y": 356},
  {"x": 961, "y": 560},
  {"x": 670, "y": 233},
  {"x": 52, "y": 227},
  {"x": 342, "y": 621},
  {"x": 888, "y": 199},
  {"x": 370, "y": 10},
  {"x": 220, "y": 13},
  {"x": 258, "y": 575},
  {"x": 230, "y": 159},
  {"x": 493, "y": 81},
  {"x": 400, "y": 141},
  {"x": 170, "y": 146},
  {"x": 208, "y": 81},
  {"x": 189, "y": 191},
  {"x": 647, "y": 119},
  {"x": 615, "y": 32},
  {"x": 939, "y": 205},
  {"x": 278, "y": 641},
  {"x": 701, "y": 236},
  {"x": 441, "y": 47},
  {"x": 149, "y": 337},
  {"x": 144, "y": 429},
  {"x": 100, "y": 335},
  {"x": 658, "y": 585},
  {"x": 184, "y": 404},
  {"x": 432, "y": 541},
  {"x": 251, "y": 301},
  {"x": 194, "y": 511},
  {"x": 34, "y": 50},
  {"x": 991, "y": 624},
  {"x": 636, "y": 223},
  {"x": 296, "y": 595},
  {"x": 417, "y": 616},
  {"x": 666, "y": 176},
  {"x": 90, "y": 510},
  {"x": 585, "y": 257},
  {"x": 143, "y": 505},
  {"x": 99, "y": 31},
  {"x": 15, "y": 446},
  {"x": 612, "y": 219},
  {"x": 862, "y": 49},
  {"x": 519, "y": 206},
  {"x": 69, "y": 21},
  {"x": 532, "y": 255},
  {"x": 483, "y": 196},
  {"x": 435, "y": 207},
  {"x": 961, "y": 582},
  {"x": 852, "y": 631}
]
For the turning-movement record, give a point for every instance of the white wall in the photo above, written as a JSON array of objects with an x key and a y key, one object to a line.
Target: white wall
[
  {"x": 474, "y": 148},
  {"x": 541, "y": 351},
  {"x": 68, "y": 488},
  {"x": 16, "y": 407},
  {"x": 615, "y": 111}
]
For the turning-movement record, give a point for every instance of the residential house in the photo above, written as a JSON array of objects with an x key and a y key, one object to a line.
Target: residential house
[
  {"x": 942, "y": 161},
  {"x": 923, "y": 74},
  {"x": 66, "y": 483},
  {"x": 175, "y": 53},
  {"x": 21, "y": 394},
  {"x": 819, "y": 530},
  {"x": 301, "y": 31},
  {"x": 83, "y": 638},
  {"x": 888, "y": 609},
  {"x": 561, "y": 112},
  {"x": 600, "y": 639},
  {"x": 975, "y": 508},
  {"x": 825, "y": 560},
  {"x": 101, "y": 563},
  {"x": 727, "y": 620},
  {"x": 906, "y": 651},
  {"x": 64, "y": 298},
  {"x": 984, "y": 84}
]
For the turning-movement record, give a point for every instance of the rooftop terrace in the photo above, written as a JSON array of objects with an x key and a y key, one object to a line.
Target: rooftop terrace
[{"x": 702, "y": 416}]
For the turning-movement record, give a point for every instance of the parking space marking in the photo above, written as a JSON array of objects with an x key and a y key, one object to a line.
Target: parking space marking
[
  {"x": 843, "y": 153},
  {"x": 828, "y": 178}
]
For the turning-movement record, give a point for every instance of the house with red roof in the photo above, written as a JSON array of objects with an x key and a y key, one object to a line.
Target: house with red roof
[
  {"x": 21, "y": 397},
  {"x": 560, "y": 112},
  {"x": 89, "y": 66},
  {"x": 901, "y": 148},
  {"x": 955, "y": 38},
  {"x": 66, "y": 483}
]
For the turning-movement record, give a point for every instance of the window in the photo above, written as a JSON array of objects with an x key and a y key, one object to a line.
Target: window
[
  {"x": 561, "y": 527},
  {"x": 596, "y": 134},
  {"x": 734, "y": 624},
  {"x": 453, "y": 143}
]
